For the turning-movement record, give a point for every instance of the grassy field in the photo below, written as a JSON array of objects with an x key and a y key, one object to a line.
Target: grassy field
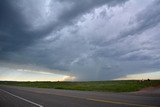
[{"x": 105, "y": 86}]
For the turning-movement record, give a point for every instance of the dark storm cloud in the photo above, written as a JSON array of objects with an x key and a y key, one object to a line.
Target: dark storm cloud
[
  {"x": 88, "y": 39},
  {"x": 11, "y": 28},
  {"x": 14, "y": 33},
  {"x": 14, "y": 29}
]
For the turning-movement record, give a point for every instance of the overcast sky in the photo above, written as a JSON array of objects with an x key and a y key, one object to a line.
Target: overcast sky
[{"x": 78, "y": 39}]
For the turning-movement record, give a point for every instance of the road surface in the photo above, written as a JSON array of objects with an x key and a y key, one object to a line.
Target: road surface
[{"x": 11, "y": 96}]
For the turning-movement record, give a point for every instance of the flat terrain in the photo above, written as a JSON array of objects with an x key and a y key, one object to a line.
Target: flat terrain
[
  {"x": 102, "y": 86},
  {"x": 13, "y": 96}
]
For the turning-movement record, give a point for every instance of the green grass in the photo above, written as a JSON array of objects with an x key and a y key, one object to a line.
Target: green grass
[{"x": 105, "y": 86}]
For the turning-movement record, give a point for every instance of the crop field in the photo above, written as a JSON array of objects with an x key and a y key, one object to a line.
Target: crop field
[{"x": 103, "y": 86}]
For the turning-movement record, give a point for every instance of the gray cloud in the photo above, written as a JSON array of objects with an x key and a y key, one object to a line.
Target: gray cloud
[
  {"x": 91, "y": 40},
  {"x": 15, "y": 33}
]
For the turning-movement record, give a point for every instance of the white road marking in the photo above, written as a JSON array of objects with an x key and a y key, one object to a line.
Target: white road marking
[{"x": 22, "y": 98}]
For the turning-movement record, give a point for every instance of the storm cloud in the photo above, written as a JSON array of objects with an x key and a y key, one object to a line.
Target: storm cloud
[{"x": 87, "y": 39}]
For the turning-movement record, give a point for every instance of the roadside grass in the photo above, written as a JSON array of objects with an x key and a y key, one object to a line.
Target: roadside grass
[{"x": 104, "y": 86}]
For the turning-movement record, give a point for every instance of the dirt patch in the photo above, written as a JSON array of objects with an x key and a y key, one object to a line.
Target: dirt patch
[{"x": 150, "y": 91}]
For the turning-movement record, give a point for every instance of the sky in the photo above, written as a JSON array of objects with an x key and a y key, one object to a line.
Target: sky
[{"x": 79, "y": 40}]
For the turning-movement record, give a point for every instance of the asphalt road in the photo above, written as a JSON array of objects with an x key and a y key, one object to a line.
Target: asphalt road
[{"x": 37, "y": 97}]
